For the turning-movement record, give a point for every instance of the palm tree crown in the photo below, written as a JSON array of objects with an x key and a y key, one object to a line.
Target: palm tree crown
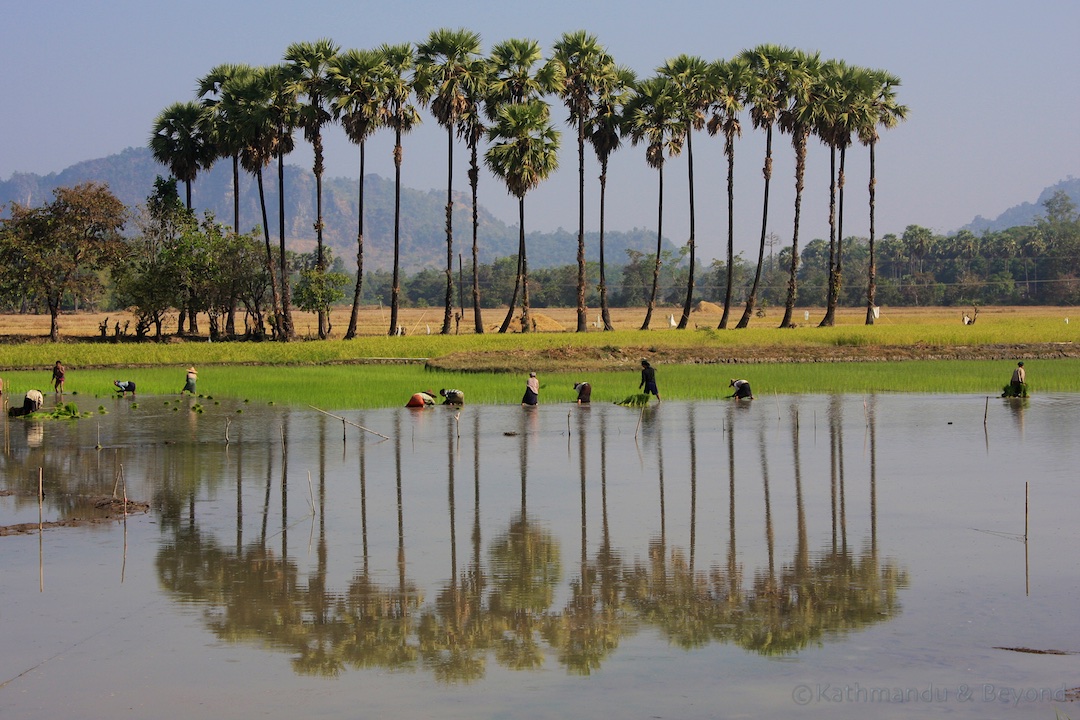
[
  {"x": 524, "y": 146},
  {"x": 179, "y": 142}
]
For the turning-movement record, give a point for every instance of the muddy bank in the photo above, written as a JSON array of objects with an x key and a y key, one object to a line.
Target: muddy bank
[
  {"x": 573, "y": 359},
  {"x": 108, "y": 509}
]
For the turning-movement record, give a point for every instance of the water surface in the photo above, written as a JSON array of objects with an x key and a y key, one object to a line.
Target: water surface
[{"x": 806, "y": 556}]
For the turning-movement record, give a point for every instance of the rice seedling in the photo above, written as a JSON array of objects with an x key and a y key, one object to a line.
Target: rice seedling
[{"x": 379, "y": 386}]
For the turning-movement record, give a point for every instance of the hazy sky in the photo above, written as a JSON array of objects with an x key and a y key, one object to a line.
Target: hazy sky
[{"x": 992, "y": 89}]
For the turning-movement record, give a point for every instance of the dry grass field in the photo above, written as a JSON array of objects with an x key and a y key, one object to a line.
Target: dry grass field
[{"x": 375, "y": 320}]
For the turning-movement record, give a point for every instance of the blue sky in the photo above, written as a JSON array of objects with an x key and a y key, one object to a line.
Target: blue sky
[{"x": 992, "y": 89}]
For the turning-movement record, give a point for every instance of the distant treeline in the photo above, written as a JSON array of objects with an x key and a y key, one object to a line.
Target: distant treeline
[{"x": 1026, "y": 265}]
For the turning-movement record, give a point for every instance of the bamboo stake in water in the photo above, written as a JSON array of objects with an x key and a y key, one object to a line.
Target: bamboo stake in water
[
  {"x": 338, "y": 417},
  {"x": 41, "y": 537},
  {"x": 986, "y": 410},
  {"x": 1027, "y": 574},
  {"x": 311, "y": 492},
  {"x": 1026, "y": 504}
]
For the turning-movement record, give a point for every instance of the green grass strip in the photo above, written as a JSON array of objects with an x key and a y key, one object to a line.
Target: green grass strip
[{"x": 379, "y": 386}]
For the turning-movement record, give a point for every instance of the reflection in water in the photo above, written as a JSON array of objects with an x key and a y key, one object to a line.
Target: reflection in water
[{"x": 514, "y": 601}]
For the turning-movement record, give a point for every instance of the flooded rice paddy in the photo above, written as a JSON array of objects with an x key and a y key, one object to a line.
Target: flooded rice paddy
[{"x": 810, "y": 556}]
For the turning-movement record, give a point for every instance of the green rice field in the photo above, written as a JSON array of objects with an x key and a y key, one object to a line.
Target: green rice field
[{"x": 375, "y": 386}]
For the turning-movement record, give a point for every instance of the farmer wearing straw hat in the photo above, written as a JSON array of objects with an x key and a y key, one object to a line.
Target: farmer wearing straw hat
[
  {"x": 189, "y": 384},
  {"x": 532, "y": 391}
]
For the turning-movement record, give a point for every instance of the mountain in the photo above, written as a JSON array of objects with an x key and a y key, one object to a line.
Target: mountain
[
  {"x": 130, "y": 175},
  {"x": 1025, "y": 213}
]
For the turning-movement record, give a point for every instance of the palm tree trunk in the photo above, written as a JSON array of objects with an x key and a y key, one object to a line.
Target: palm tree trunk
[
  {"x": 729, "y": 150},
  {"x": 286, "y": 331},
  {"x": 526, "y": 319},
  {"x": 827, "y": 321},
  {"x": 395, "y": 288},
  {"x": 236, "y": 192},
  {"x": 871, "y": 272},
  {"x": 690, "y": 243},
  {"x": 605, "y": 312},
  {"x": 354, "y": 316},
  {"x": 582, "y": 323},
  {"x": 474, "y": 179},
  {"x": 449, "y": 305},
  {"x": 276, "y": 297},
  {"x": 836, "y": 277},
  {"x": 517, "y": 287},
  {"x": 751, "y": 299},
  {"x": 316, "y": 144},
  {"x": 659, "y": 241},
  {"x": 793, "y": 275}
]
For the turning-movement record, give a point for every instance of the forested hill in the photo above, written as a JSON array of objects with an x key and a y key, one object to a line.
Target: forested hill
[
  {"x": 130, "y": 175},
  {"x": 1025, "y": 213}
]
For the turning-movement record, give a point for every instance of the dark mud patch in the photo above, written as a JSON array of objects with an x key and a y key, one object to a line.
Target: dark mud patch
[
  {"x": 107, "y": 509},
  {"x": 583, "y": 359}
]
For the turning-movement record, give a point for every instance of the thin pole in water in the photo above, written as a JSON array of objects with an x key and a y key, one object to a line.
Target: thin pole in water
[
  {"x": 1027, "y": 574},
  {"x": 986, "y": 411},
  {"x": 41, "y": 536},
  {"x": 311, "y": 492}
]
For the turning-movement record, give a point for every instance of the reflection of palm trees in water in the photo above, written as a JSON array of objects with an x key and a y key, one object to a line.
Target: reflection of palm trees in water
[
  {"x": 590, "y": 625},
  {"x": 525, "y": 568},
  {"x": 253, "y": 595},
  {"x": 836, "y": 468}
]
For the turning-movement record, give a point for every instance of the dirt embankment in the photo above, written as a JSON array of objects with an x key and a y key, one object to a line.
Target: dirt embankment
[
  {"x": 105, "y": 509},
  {"x": 573, "y": 359}
]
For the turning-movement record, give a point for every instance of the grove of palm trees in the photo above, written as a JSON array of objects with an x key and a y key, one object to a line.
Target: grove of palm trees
[{"x": 501, "y": 105}]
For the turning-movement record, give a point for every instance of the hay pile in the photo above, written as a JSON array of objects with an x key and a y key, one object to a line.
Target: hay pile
[
  {"x": 704, "y": 306},
  {"x": 540, "y": 323},
  {"x": 543, "y": 323}
]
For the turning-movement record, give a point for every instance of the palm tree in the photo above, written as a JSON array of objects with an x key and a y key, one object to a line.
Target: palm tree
[
  {"x": 731, "y": 84},
  {"x": 513, "y": 79},
  {"x": 244, "y": 106},
  {"x": 310, "y": 63},
  {"x": 797, "y": 119},
  {"x": 283, "y": 112},
  {"x": 179, "y": 142},
  {"x": 693, "y": 90},
  {"x": 887, "y": 113},
  {"x": 652, "y": 117},
  {"x": 358, "y": 91},
  {"x": 843, "y": 104},
  {"x": 448, "y": 63},
  {"x": 226, "y": 135},
  {"x": 401, "y": 115},
  {"x": 579, "y": 66},
  {"x": 604, "y": 131},
  {"x": 769, "y": 94},
  {"x": 472, "y": 130},
  {"x": 524, "y": 152}
]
